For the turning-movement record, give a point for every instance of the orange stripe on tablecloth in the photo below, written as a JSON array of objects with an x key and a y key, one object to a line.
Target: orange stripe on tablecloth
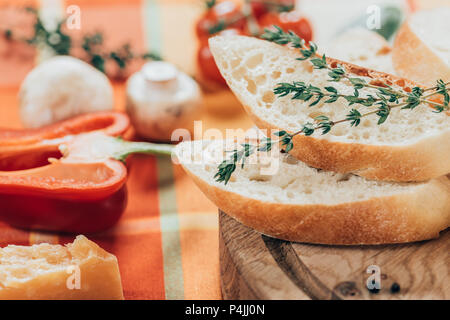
[
  {"x": 189, "y": 197},
  {"x": 16, "y": 57},
  {"x": 9, "y": 235},
  {"x": 188, "y": 221},
  {"x": 140, "y": 263},
  {"x": 199, "y": 247},
  {"x": 9, "y": 111},
  {"x": 139, "y": 254}
]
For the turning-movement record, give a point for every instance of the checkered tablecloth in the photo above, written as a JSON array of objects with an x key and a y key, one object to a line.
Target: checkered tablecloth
[{"x": 167, "y": 240}]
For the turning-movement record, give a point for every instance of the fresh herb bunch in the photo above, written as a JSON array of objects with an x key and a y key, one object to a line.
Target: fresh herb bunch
[
  {"x": 56, "y": 39},
  {"x": 385, "y": 99},
  {"x": 122, "y": 56},
  {"x": 91, "y": 44},
  {"x": 210, "y": 3}
]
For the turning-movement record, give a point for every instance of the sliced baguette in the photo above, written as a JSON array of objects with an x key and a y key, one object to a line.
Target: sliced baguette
[
  {"x": 409, "y": 146},
  {"x": 422, "y": 47},
  {"x": 364, "y": 48},
  {"x": 303, "y": 204}
]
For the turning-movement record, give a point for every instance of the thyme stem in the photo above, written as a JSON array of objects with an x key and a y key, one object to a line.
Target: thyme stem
[{"x": 384, "y": 97}]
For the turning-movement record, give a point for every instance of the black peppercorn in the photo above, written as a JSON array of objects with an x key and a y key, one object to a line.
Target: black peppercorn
[
  {"x": 395, "y": 287},
  {"x": 374, "y": 290}
]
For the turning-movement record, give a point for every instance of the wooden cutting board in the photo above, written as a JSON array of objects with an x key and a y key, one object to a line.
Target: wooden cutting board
[{"x": 254, "y": 266}]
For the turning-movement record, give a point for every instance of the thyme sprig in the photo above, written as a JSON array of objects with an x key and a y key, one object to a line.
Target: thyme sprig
[
  {"x": 227, "y": 167},
  {"x": 384, "y": 99},
  {"x": 385, "y": 95}
]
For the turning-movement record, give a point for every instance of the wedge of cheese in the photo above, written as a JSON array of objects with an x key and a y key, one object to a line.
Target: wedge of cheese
[{"x": 80, "y": 270}]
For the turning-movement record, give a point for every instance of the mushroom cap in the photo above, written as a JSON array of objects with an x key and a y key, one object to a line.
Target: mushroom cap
[
  {"x": 162, "y": 99},
  {"x": 62, "y": 87}
]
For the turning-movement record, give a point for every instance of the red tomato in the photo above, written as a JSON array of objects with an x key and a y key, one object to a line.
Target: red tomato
[
  {"x": 205, "y": 59},
  {"x": 258, "y": 9},
  {"x": 288, "y": 21},
  {"x": 226, "y": 11},
  {"x": 207, "y": 65}
]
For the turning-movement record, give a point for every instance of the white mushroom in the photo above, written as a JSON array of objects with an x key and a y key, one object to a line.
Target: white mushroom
[
  {"x": 62, "y": 87},
  {"x": 161, "y": 99}
]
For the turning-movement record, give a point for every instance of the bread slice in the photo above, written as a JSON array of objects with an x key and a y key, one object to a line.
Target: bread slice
[
  {"x": 44, "y": 271},
  {"x": 299, "y": 203},
  {"x": 422, "y": 48},
  {"x": 412, "y": 145},
  {"x": 364, "y": 48}
]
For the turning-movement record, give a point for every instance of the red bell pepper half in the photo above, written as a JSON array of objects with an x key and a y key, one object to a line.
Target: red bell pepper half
[{"x": 68, "y": 177}]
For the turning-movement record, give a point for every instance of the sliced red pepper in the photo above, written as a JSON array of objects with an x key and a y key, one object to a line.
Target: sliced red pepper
[
  {"x": 24, "y": 149},
  {"x": 82, "y": 189},
  {"x": 110, "y": 122}
]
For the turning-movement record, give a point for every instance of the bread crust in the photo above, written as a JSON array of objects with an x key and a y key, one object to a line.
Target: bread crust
[
  {"x": 400, "y": 218},
  {"x": 415, "y": 60},
  {"x": 424, "y": 160}
]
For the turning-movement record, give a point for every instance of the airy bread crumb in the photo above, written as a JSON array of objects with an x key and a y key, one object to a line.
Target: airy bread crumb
[
  {"x": 299, "y": 203},
  {"x": 412, "y": 145}
]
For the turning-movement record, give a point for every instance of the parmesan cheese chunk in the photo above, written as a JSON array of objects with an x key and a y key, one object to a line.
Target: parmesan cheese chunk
[{"x": 80, "y": 270}]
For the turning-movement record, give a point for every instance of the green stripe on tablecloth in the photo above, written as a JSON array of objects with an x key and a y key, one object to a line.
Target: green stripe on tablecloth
[
  {"x": 152, "y": 26},
  {"x": 170, "y": 231},
  {"x": 170, "y": 228}
]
